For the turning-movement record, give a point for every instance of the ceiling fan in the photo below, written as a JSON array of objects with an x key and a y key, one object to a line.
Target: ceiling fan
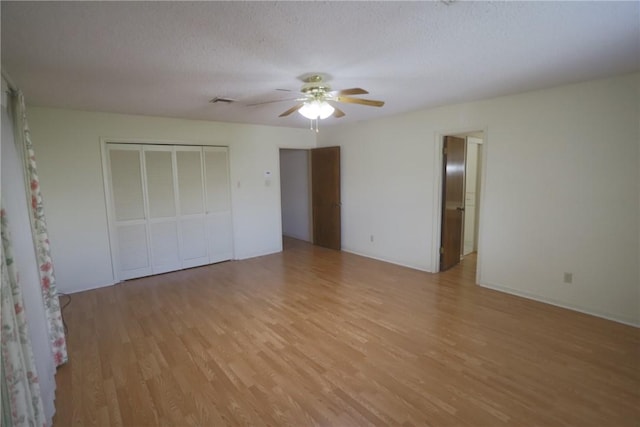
[{"x": 316, "y": 99}]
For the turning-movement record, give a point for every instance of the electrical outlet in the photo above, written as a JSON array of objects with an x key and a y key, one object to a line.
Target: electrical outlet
[
  {"x": 371, "y": 238},
  {"x": 568, "y": 277}
]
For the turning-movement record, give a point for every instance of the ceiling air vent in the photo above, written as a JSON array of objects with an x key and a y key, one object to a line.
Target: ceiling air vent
[{"x": 222, "y": 99}]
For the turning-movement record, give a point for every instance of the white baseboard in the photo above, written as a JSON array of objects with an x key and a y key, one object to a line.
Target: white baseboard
[
  {"x": 505, "y": 289},
  {"x": 413, "y": 267},
  {"x": 88, "y": 288},
  {"x": 499, "y": 288},
  {"x": 561, "y": 304},
  {"x": 297, "y": 237},
  {"x": 93, "y": 287},
  {"x": 257, "y": 254}
]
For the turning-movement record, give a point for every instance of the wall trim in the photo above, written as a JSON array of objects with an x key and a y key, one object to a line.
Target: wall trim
[
  {"x": 90, "y": 288},
  {"x": 556, "y": 303},
  {"x": 250, "y": 255},
  {"x": 526, "y": 295},
  {"x": 413, "y": 267},
  {"x": 152, "y": 141},
  {"x": 108, "y": 208},
  {"x": 296, "y": 237}
]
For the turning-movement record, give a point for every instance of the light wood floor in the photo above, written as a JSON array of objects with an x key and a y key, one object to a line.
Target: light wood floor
[{"x": 317, "y": 337}]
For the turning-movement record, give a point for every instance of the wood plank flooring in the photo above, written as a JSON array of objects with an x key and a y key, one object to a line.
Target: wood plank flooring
[{"x": 312, "y": 336}]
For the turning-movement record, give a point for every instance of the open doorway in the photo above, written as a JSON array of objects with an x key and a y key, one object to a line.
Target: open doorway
[
  {"x": 460, "y": 198},
  {"x": 310, "y": 196},
  {"x": 295, "y": 194}
]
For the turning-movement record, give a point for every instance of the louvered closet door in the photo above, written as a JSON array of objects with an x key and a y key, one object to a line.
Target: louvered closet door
[
  {"x": 170, "y": 208},
  {"x": 160, "y": 174},
  {"x": 218, "y": 204},
  {"x": 191, "y": 203},
  {"x": 131, "y": 245}
]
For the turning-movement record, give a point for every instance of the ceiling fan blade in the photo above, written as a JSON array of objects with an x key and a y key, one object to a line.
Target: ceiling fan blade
[
  {"x": 271, "y": 102},
  {"x": 337, "y": 113},
  {"x": 291, "y": 110},
  {"x": 352, "y": 91},
  {"x": 369, "y": 102}
]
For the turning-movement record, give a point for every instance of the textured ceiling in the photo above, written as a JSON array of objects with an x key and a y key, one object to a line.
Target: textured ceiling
[{"x": 171, "y": 58}]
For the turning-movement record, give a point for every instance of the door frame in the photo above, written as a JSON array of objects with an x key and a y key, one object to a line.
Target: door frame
[
  {"x": 310, "y": 190},
  {"x": 436, "y": 225}
]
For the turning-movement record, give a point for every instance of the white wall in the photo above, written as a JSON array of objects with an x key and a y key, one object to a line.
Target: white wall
[
  {"x": 387, "y": 188},
  {"x": 294, "y": 190},
  {"x": 560, "y": 194},
  {"x": 67, "y": 145},
  {"x": 561, "y": 189}
]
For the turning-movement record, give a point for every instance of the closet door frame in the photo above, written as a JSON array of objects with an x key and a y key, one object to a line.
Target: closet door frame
[{"x": 130, "y": 144}]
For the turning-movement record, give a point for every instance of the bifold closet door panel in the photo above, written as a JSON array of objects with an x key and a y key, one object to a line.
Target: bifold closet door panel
[
  {"x": 133, "y": 251},
  {"x": 194, "y": 233},
  {"x": 191, "y": 204},
  {"x": 218, "y": 204},
  {"x": 126, "y": 182},
  {"x": 163, "y": 215},
  {"x": 131, "y": 246},
  {"x": 165, "y": 251},
  {"x": 160, "y": 188},
  {"x": 219, "y": 230},
  {"x": 190, "y": 188}
]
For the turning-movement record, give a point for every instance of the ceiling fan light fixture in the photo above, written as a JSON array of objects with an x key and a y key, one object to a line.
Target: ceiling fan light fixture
[{"x": 316, "y": 109}]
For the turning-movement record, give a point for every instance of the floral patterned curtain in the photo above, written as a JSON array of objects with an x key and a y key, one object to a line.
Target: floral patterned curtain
[
  {"x": 21, "y": 400},
  {"x": 40, "y": 235}
]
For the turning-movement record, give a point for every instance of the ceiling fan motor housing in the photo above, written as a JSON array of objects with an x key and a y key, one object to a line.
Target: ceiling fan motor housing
[{"x": 315, "y": 87}]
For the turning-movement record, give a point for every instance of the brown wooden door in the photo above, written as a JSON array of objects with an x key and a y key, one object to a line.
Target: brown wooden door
[
  {"x": 452, "y": 201},
  {"x": 325, "y": 196}
]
